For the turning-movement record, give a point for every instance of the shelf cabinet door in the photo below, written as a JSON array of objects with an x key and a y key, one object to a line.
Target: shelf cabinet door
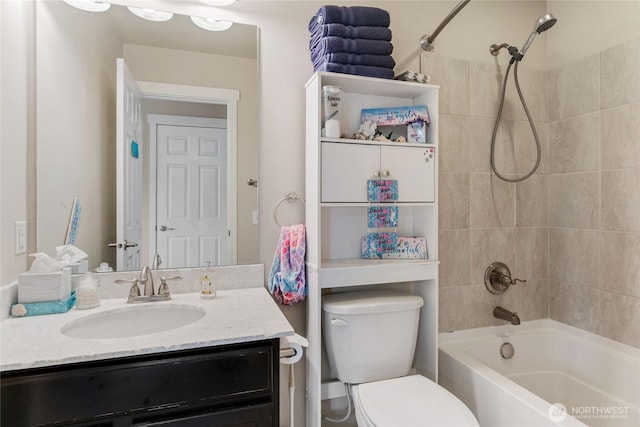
[
  {"x": 414, "y": 168},
  {"x": 346, "y": 168}
]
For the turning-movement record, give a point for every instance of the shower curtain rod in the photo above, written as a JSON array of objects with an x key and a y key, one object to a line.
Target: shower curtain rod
[{"x": 426, "y": 41}]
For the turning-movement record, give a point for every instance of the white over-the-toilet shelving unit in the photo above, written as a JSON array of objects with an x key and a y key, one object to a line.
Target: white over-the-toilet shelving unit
[{"x": 337, "y": 170}]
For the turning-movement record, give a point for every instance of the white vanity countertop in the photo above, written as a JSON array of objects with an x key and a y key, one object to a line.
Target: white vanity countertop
[{"x": 234, "y": 316}]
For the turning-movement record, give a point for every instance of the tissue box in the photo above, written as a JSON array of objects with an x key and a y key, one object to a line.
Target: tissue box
[
  {"x": 43, "y": 287},
  {"x": 79, "y": 267}
]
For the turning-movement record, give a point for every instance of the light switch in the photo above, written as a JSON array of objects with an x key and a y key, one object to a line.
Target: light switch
[{"x": 21, "y": 237}]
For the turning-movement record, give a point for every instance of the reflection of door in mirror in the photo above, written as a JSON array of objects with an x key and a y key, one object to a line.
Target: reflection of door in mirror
[
  {"x": 129, "y": 138},
  {"x": 76, "y": 116},
  {"x": 191, "y": 159}
]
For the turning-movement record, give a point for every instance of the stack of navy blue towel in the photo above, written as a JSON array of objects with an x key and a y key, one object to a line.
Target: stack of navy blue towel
[{"x": 352, "y": 40}]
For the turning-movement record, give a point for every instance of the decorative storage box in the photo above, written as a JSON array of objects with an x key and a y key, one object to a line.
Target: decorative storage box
[
  {"x": 393, "y": 116},
  {"x": 411, "y": 121},
  {"x": 44, "y": 287},
  {"x": 39, "y": 308}
]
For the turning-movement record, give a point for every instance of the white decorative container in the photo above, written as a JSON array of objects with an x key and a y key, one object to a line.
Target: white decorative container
[{"x": 43, "y": 287}]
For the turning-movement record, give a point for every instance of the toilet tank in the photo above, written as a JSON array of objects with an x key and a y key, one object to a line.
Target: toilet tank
[{"x": 370, "y": 335}]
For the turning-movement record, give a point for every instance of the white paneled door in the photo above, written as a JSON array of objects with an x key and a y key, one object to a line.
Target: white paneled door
[
  {"x": 191, "y": 205},
  {"x": 129, "y": 170}
]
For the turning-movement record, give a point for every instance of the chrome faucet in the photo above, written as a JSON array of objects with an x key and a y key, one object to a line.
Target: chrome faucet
[
  {"x": 146, "y": 279},
  {"x": 150, "y": 295},
  {"x": 504, "y": 314}
]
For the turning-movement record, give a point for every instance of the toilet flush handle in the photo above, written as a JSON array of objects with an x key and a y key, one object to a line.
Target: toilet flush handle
[{"x": 339, "y": 322}]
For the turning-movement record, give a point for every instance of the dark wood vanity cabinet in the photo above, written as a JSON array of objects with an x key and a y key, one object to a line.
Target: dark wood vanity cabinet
[{"x": 232, "y": 385}]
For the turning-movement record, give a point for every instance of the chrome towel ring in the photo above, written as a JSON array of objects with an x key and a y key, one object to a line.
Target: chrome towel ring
[{"x": 290, "y": 197}]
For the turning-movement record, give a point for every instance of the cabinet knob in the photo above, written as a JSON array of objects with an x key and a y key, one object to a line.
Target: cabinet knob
[
  {"x": 377, "y": 174},
  {"x": 386, "y": 173}
]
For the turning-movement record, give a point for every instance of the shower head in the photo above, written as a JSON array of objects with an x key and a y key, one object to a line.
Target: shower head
[{"x": 542, "y": 24}]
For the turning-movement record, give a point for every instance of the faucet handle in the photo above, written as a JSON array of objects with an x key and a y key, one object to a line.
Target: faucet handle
[
  {"x": 497, "y": 278},
  {"x": 163, "y": 289},
  {"x": 134, "y": 291}
]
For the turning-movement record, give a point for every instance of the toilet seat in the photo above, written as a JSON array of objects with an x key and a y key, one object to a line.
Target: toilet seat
[{"x": 409, "y": 401}]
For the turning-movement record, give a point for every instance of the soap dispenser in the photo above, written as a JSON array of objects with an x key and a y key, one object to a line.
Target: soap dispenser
[{"x": 207, "y": 290}]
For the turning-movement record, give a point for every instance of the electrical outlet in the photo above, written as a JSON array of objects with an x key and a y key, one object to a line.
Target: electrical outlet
[{"x": 21, "y": 237}]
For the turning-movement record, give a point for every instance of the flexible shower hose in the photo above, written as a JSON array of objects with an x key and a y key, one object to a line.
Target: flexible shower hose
[{"x": 498, "y": 117}]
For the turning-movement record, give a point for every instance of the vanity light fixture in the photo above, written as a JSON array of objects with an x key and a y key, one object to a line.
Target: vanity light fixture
[
  {"x": 218, "y": 2},
  {"x": 211, "y": 24},
  {"x": 89, "y": 5},
  {"x": 151, "y": 14}
]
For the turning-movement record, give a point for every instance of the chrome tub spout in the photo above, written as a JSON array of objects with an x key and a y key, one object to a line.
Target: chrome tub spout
[{"x": 504, "y": 314}]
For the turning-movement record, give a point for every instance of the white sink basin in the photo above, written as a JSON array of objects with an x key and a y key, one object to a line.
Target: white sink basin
[{"x": 133, "y": 321}]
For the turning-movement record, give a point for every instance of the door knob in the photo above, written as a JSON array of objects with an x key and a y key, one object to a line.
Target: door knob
[
  {"x": 165, "y": 228},
  {"x": 122, "y": 245}
]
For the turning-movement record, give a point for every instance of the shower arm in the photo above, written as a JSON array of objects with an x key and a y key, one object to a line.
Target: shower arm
[{"x": 426, "y": 41}]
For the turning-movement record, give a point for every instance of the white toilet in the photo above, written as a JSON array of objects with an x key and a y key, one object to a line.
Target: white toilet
[{"x": 370, "y": 338}]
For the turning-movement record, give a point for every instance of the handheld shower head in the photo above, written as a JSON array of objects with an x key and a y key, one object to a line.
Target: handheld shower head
[
  {"x": 545, "y": 22},
  {"x": 542, "y": 24}
]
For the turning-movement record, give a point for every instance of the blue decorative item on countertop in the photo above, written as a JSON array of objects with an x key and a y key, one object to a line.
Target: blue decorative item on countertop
[{"x": 38, "y": 308}]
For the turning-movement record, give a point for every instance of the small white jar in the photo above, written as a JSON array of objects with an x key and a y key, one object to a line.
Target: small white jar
[{"x": 87, "y": 295}]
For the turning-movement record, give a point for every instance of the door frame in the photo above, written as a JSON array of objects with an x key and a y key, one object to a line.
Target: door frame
[{"x": 203, "y": 95}]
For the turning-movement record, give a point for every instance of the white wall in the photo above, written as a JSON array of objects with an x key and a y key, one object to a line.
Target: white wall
[
  {"x": 76, "y": 132},
  {"x": 587, "y": 27},
  {"x": 15, "y": 50}
]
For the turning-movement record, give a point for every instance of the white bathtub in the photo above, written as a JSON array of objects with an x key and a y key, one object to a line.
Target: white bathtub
[{"x": 596, "y": 379}]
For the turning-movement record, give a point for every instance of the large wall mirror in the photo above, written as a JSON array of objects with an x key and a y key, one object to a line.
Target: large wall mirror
[{"x": 185, "y": 162}]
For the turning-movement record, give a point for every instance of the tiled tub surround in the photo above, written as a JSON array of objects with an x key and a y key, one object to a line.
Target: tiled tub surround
[
  {"x": 572, "y": 229},
  {"x": 483, "y": 219},
  {"x": 243, "y": 311},
  {"x": 594, "y": 193}
]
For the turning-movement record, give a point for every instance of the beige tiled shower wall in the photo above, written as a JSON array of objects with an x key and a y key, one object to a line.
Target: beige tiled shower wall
[
  {"x": 572, "y": 230},
  {"x": 483, "y": 219},
  {"x": 594, "y": 193}
]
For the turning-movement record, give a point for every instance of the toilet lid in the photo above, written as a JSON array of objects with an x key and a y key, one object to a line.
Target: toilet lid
[{"x": 412, "y": 401}]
